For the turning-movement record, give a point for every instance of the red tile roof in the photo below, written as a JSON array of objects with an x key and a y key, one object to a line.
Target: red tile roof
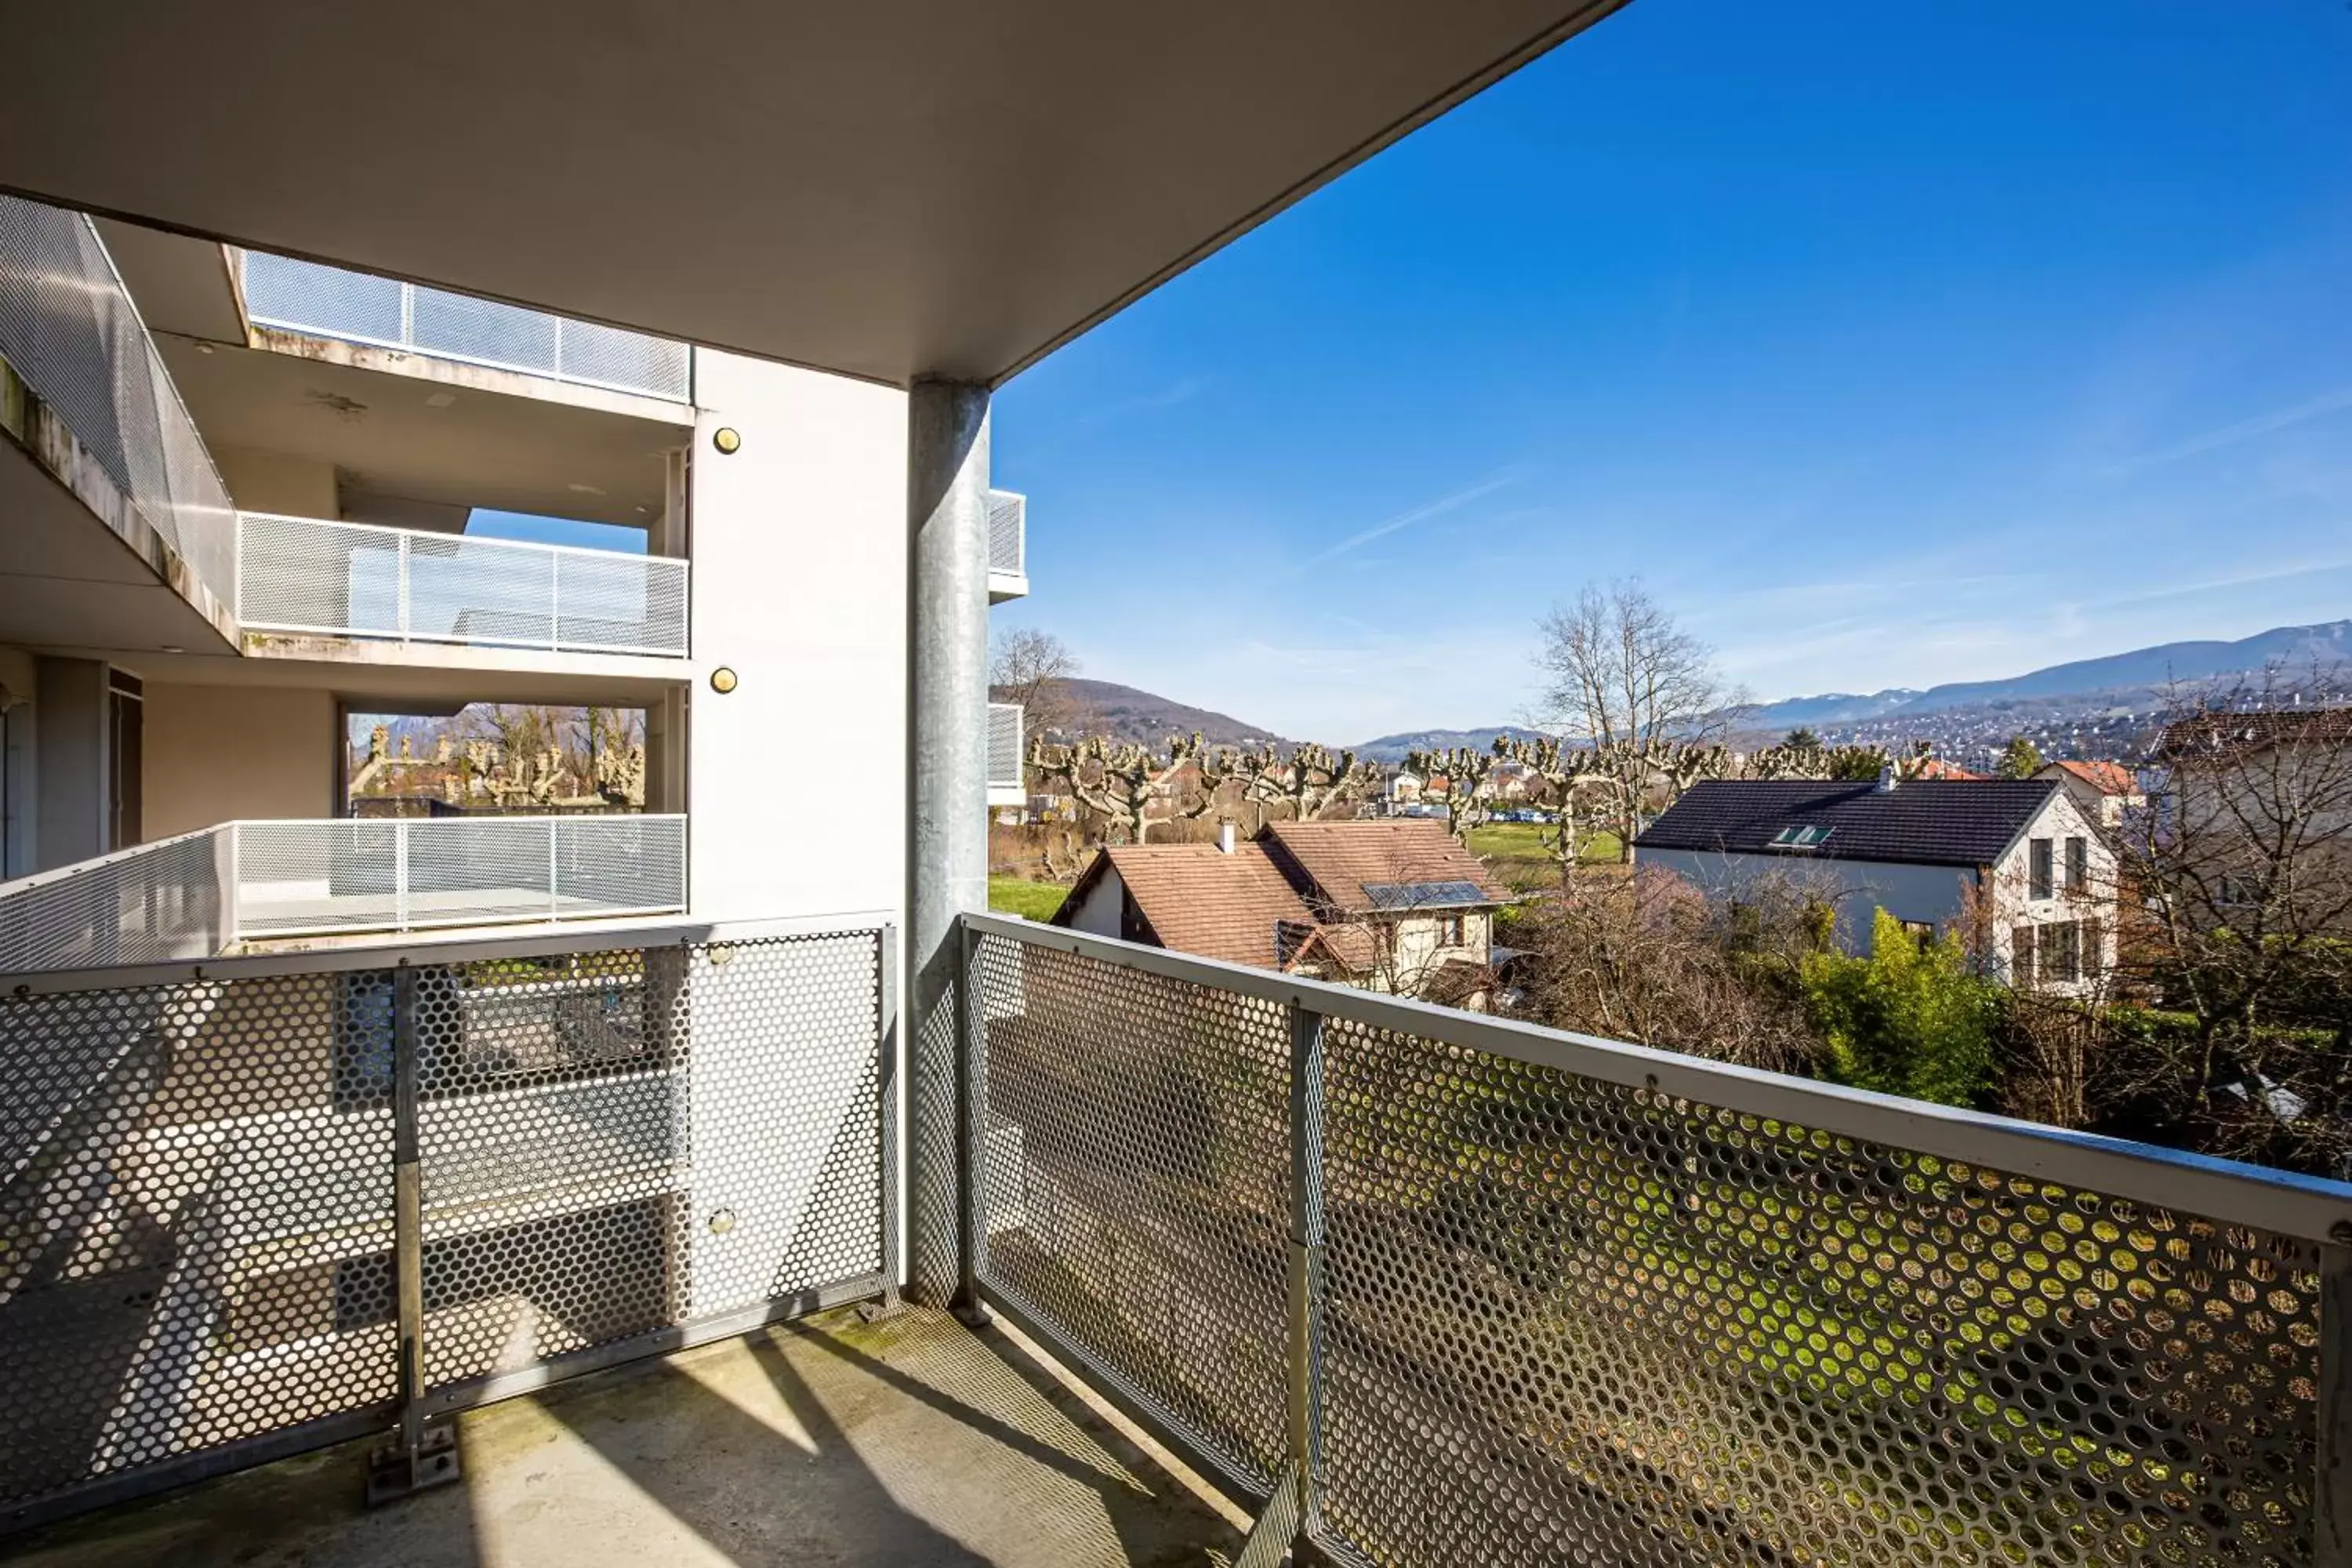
[
  {"x": 1201, "y": 900},
  {"x": 1334, "y": 860},
  {"x": 2107, "y": 778}
]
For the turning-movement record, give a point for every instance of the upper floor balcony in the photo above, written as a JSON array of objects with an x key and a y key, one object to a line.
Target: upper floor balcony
[
  {"x": 1007, "y": 755},
  {"x": 313, "y": 301},
  {"x": 1008, "y": 546},
  {"x": 310, "y": 577}
]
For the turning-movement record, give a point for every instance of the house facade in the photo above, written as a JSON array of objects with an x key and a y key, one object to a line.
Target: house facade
[
  {"x": 2103, "y": 791},
  {"x": 1392, "y": 905},
  {"x": 2017, "y": 868}
]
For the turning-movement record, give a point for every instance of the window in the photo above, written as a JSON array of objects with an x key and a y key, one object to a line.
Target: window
[
  {"x": 2020, "y": 956},
  {"x": 1449, "y": 930},
  {"x": 2060, "y": 959},
  {"x": 1799, "y": 837},
  {"x": 1921, "y": 931},
  {"x": 2094, "y": 950},
  {"x": 2038, "y": 871},
  {"x": 2078, "y": 865}
]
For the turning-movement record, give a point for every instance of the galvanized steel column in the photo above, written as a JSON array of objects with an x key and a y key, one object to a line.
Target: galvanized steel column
[{"x": 947, "y": 706}]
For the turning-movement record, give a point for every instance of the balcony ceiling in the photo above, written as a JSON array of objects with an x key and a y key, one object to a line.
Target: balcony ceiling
[
  {"x": 884, "y": 188},
  {"x": 441, "y": 435},
  {"x": 66, "y": 579}
]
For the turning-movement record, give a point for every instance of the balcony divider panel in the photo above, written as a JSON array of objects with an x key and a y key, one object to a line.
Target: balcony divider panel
[{"x": 627, "y": 1144}]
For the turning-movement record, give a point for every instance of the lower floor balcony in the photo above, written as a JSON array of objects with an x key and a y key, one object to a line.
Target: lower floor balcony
[
  {"x": 203, "y": 894},
  {"x": 555, "y": 1243}
]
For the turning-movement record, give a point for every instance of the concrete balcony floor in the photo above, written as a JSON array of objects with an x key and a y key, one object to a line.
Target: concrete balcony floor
[{"x": 910, "y": 1443}]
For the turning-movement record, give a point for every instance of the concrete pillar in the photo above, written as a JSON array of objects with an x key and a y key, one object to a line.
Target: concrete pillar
[
  {"x": 947, "y": 667},
  {"x": 71, "y": 778}
]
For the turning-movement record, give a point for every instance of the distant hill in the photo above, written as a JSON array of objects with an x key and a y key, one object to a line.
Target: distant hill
[
  {"x": 2140, "y": 670},
  {"x": 1126, "y": 713},
  {"x": 1394, "y": 749}
]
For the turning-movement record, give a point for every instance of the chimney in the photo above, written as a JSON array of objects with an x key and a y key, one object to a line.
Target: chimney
[
  {"x": 1885, "y": 785},
  {"x": 1225, "y": 838}
]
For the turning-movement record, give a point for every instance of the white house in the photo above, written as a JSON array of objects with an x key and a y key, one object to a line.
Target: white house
[{"x": 2021, "y": 859}]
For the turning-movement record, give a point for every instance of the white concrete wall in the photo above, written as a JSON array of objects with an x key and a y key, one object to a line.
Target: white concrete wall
[
  {"x": 795, "y": 781},
  {"x": 1856, "y": 889},
  {"x": 215, "y": 753},
  {"x": 273, "y": 481}
]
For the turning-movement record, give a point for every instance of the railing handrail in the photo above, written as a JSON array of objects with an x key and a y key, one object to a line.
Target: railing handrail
[
  {"x": 412, "y": 824},
  {"x": 447, "y": 948},
  {"x": 2310, "y": 1207},
  {"x": 471, "y": 539}
]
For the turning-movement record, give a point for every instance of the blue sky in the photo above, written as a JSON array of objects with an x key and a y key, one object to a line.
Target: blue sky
[{"x": 1887, "y": 343}]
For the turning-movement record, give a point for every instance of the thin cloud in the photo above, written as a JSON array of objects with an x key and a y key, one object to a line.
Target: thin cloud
[
  {"x": 1438, "y": 508},
  {"x": 2243, "y": 430},
  {"x": 2212, "y": 584}
]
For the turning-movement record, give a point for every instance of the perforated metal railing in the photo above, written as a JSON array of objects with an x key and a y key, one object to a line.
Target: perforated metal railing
[
  {"x": 309, "y": 575},
  {"x": 69, "y": 329},
  {"x": 201, "y": 893},
  {"x": 172, "y": 898},
  {"x": 312, "y": 877},
  {"x": 359, "y": 308},
  {"x": 1008, "y": 533},
  {"x": 1473, "y": 1291},
  {"x": 1004, "y": 747},
  {"x": 620, "y": 1145}
]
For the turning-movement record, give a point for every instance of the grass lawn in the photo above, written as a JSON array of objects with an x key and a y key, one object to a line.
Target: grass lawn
[
  {"x": 1035, "y": 901},
  {"x": 1516, "y": 852}
]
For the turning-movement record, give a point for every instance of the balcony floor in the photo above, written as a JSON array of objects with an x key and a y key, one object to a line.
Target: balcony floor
[{"x": 908, "y": 1443}]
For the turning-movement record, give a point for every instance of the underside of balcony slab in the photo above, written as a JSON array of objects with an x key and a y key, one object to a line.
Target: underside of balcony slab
[{"x": 909, "y": 1442}]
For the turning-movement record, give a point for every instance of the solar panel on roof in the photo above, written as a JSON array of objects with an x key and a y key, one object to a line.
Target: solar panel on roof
[{"x": 1423, "y": 895}]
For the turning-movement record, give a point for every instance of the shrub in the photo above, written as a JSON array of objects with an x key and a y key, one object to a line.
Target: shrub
[{"x": 1909, "y": 1019}]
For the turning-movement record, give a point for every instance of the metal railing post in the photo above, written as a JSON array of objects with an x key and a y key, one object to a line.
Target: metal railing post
[
  {"x": 554, "y": 601},
  {"x": 419, "y": 1456},
  {"x": 890, "y": 1118},
  {"x": 554, "y": 869},
  {"x": 400, "y": 588},
  {"x": 2332, "y": 1496},
  {"x": 970, "y": 1149},
  {"x": 1305, "y": 1347},
  {"x": 400, "y": 873}
]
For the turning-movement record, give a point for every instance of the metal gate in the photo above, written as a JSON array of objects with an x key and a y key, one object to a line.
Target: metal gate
[{"x": 271, "y": 1203}]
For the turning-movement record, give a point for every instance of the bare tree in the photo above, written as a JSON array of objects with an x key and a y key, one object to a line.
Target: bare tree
[
  {"x": 2239, "y": 882},
  {"x": 1466, "y": 769},
  {"x": 1033, "y": 667},
  {"x": 1625, "y": 682},
  {"x": 1649, "y": 958},
  {"x": 1121, "y": 782}
]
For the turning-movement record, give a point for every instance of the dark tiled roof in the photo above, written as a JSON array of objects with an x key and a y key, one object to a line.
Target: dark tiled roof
[
  {"x": 1932, "y": 822},
  {"x": 2223, "y": 734},
  {"x": 1201, "y": 900},
  {"x": 1332, "y": 863}
]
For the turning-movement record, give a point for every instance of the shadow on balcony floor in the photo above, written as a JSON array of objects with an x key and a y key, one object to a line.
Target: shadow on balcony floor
[{"x": 909, "y": 1443}]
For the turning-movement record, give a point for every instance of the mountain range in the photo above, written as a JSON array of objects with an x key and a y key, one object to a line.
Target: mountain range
[
  {"x": 2142, "y": 670},
  {"x": 1128, "y": 713},
  {"x": 2039, "y": 700}
]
